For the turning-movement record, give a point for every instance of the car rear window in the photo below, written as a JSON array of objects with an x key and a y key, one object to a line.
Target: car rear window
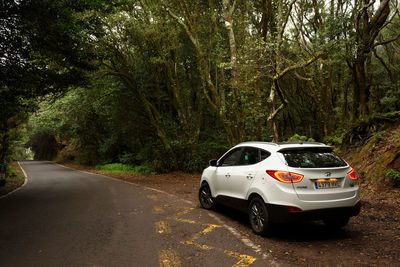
[{"x": 312, "y": 158}]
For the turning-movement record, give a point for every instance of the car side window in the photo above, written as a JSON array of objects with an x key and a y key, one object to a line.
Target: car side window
[
  {"x": 250, "y": 155},
  {"x": 232, "y": 158},
  {"x": 264, "y": 154}
]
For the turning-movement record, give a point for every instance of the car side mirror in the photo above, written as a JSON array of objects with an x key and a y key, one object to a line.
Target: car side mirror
[{"x": 213, "y": 163}]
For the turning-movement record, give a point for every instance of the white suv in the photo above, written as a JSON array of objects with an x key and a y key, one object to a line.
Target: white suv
[{"x": 282, "y": 182}]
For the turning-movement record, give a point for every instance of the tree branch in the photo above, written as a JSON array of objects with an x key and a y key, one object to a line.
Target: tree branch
[
  {"x": 387, "y": 41},
  {"x": 297, "y": 66},
  {"x": 382, "y": 6},
  {"x": 383, "y": 63},
  {"x": 181, "y": 22},
  {"x": 287, "y": 17},
  {"x": 285, "y": 102}
]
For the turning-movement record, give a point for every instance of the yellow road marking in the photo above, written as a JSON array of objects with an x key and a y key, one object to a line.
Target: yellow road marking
[
  {"x": 244, "y": 260},
  {"x": 196, "y": 236},
  {"x": 158, "y": 210},
  {"x": 183, "y": 212},
  {"x": 188, "y": 221},
  {"x": 152, "y": 197},
  {"x": 162, "y": 227},
  {"x": 136, "y": 211},
  {"x": 169, "y": 258},
  {"x": 207, "y": 230}
]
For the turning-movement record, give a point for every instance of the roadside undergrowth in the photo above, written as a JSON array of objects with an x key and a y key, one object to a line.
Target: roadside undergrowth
[
  {"x": 14, "y": 179},
  {"x": 124, "y": 168}
]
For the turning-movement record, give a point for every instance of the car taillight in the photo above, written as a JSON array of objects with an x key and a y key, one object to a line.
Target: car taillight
[
  {"x": 352, "y": 174},
  {"x": 286, "y": 177},
  {"x": 291, "y": 208}
]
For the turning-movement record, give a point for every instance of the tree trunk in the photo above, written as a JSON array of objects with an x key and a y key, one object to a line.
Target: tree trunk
[
  {"x": 361, "y": 83},
  {"x": 356, "y": 96},
  {"x": 209, "y": 89},
  {"x": 368, "y": 25},
  {"x": 265, "y": 19},
  {"x": 229, "y": 9},
  {"x": 278, "y": 66}
]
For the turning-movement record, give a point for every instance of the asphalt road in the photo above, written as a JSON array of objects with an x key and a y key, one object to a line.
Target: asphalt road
[{"x": 63, "y": 217}]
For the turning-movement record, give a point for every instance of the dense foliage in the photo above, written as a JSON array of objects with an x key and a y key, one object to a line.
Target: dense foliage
[
  {"x": 170, "y": 84},
  {"x": 42, "y": 51}
]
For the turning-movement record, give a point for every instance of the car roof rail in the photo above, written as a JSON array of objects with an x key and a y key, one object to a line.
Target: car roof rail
[
  {"x": 259, "y": 142},
  {"x": 301, "y": 143}
]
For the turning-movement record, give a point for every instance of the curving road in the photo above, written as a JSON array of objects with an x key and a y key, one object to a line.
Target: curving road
[{"x": 64, "y": 217}]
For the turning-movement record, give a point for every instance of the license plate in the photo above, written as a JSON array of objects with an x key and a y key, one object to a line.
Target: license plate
[{"x": 327, "y": 183}]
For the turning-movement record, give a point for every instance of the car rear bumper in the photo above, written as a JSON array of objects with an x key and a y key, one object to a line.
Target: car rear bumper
[{"x": 280, "y": 213}]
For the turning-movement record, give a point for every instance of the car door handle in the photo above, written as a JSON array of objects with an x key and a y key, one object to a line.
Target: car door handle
[
  {"x": 227, "y": 175},
  {"x": 250, "y": 176}
]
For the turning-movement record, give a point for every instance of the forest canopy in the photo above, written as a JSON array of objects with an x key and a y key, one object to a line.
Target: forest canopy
[{"x": 171, "y": 84}]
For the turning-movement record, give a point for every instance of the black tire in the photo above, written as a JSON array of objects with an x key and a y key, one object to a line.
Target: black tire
[
  {"x": 259, "y": 218},
  {"x": 336, "y": 222},
  {"x": 205, "y": 197}
]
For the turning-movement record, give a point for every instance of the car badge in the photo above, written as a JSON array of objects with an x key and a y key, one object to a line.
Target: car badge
[{"x": 328, "y": 174}]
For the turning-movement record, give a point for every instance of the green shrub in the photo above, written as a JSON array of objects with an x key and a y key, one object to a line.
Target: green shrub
[
  {"x": 127, "y": 158},
  {"x": 115, "y": 167},
  {"x": 10, "y": 172},
  {"x": 378, "y": 136},
  {"x": 333, "y": 140},
  {"x": 393, "y": 174},
  {"x": 145, "y": 169},
  {"x": 390, "y": 102},
  {"x": 87, "y": 156},
  {"x": 298, "y": 138},
  {"x": 195, "y": 158},
  {"x": 120, "y": 167}
]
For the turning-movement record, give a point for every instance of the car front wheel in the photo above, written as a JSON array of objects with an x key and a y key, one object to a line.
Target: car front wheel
[
  {"x": 258, "y": 216},
  {"x": 205, "y": 197}
]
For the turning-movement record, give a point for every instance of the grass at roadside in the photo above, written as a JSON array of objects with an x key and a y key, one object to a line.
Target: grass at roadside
[
  {"x": 124, "y": 168},
  {"x": 15, "y": 178}
]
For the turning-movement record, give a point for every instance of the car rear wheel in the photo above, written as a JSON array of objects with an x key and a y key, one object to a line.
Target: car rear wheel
[
  {"x": 205, "y": 197},
  {"x": 258, "y": 216},
  {"x": 337, "y": 222}
]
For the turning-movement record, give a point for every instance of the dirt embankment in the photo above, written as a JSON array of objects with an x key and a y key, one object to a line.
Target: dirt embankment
[
  {"x": 378, "y": 166},
  {"x": 378, "y": 160}
]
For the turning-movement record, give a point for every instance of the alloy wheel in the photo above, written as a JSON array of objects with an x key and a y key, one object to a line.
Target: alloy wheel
[{"x": 205, "y": 196}]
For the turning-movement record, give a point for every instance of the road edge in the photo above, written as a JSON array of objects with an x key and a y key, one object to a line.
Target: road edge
[{"x": 25, "y": 182}]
